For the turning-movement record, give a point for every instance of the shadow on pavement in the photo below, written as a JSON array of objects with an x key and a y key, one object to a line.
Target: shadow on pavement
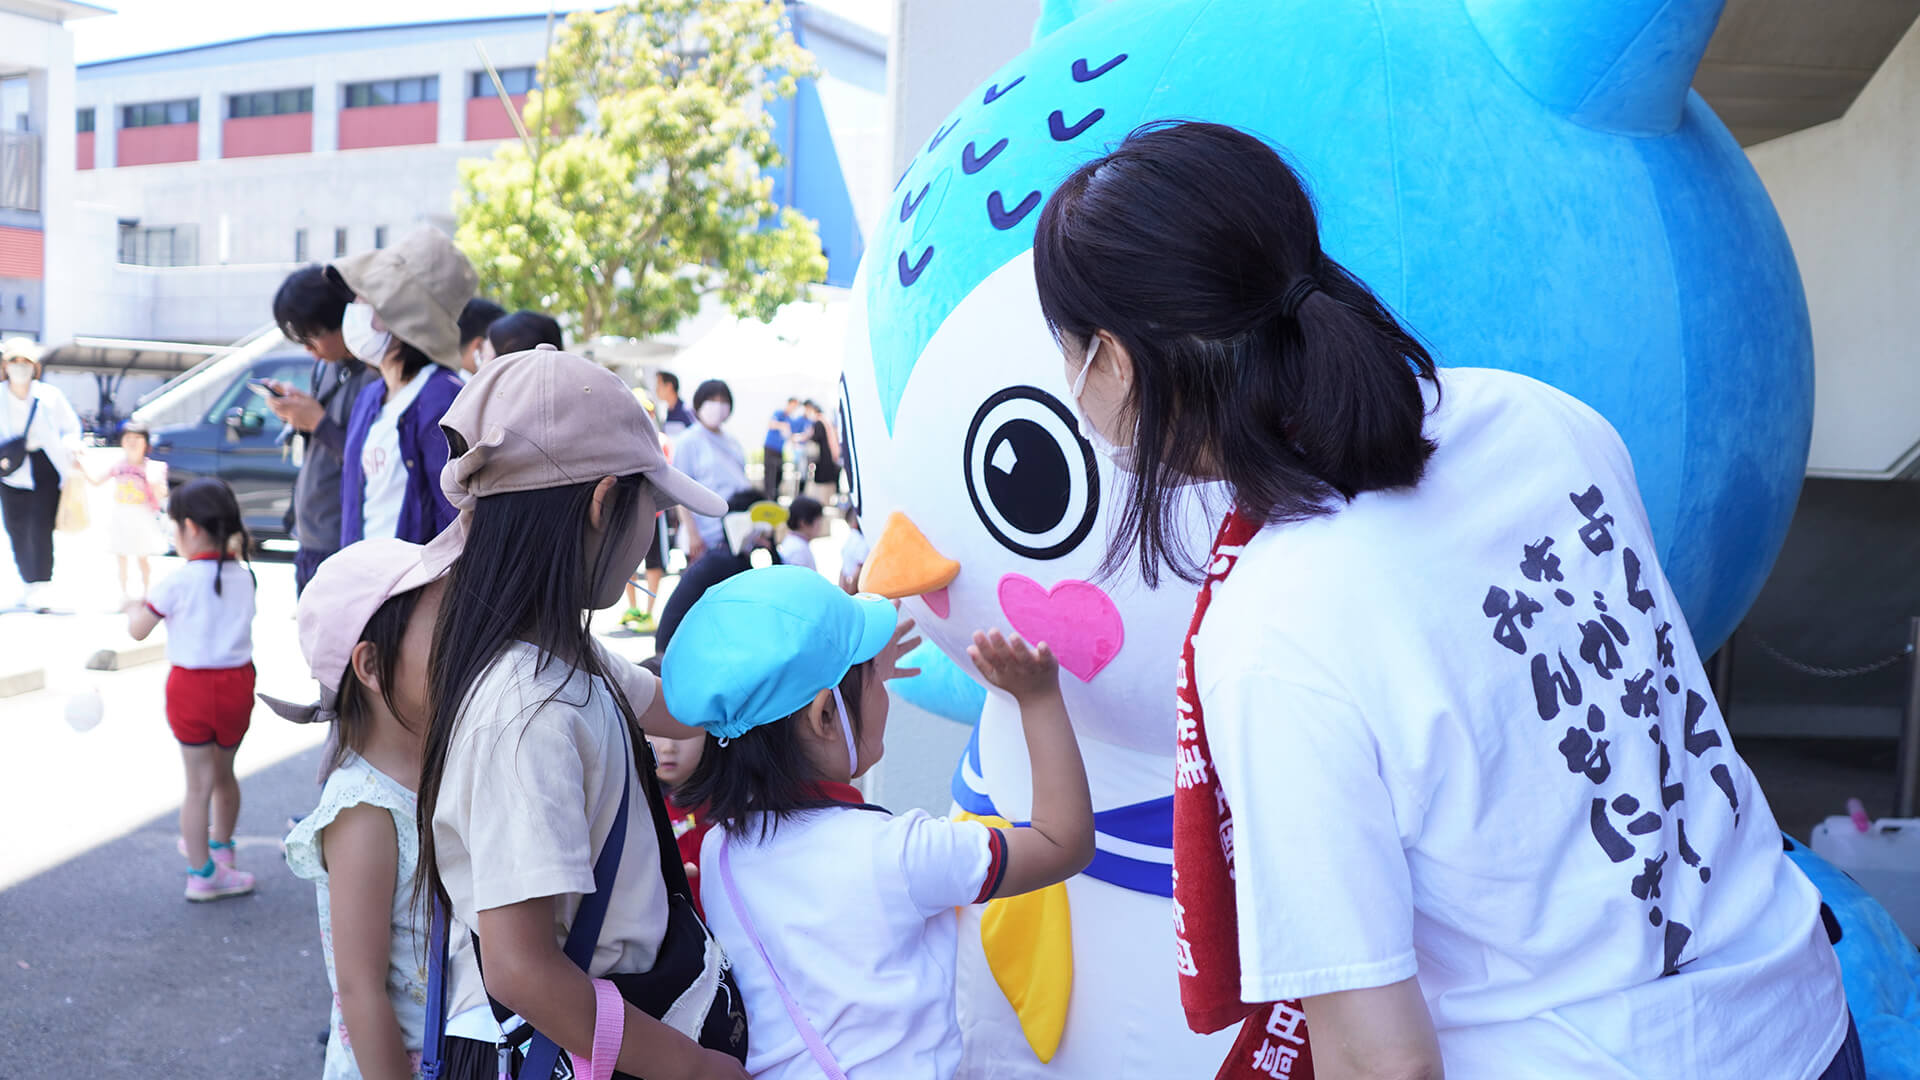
[{"x": 107, "y": 972}]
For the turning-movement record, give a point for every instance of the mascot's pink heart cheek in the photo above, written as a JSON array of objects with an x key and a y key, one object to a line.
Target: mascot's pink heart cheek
[{"x": 1076, "y": 619}]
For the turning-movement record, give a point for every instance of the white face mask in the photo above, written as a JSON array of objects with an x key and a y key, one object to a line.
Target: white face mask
[
  {"x": 19, "y": 374},
  {"x": 1121, "y": 456},
  {"x": 483, "y": 354},
  {"x": 369, "y": 346},
  {"x": 714, "y": 412}
]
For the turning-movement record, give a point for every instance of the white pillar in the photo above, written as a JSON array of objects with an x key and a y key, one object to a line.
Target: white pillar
[
  {"x": 106, "y": 132},
  {"x": 939, "y": 53},
  {"x": 453, "y": 103},
  {"x": 212, "y": 115},
  {"x": 52, "y": 90},
  {"x": 326, "y": 115}
]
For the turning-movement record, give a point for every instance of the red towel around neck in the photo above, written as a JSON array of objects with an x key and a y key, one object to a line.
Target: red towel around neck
[{"x": 1273, "y": 1035}]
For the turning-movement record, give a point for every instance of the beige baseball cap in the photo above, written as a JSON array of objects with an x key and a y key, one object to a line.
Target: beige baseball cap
[
  {"x": 544, "y": 419},
  {"x": 335, "y": 608},
  {"x": 418, "y": 288},
  {"x": 22, "y": 349}
]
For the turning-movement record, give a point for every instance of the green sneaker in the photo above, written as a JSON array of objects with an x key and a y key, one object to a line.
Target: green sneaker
[
  {"x": 632, "y": 618},
  {"x": 642, "y": 624}
]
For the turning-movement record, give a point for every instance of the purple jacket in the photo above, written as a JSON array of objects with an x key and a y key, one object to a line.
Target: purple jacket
[{"x": 423, "y": 448}]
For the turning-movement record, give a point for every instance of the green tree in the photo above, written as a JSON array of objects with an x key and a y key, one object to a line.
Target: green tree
[{"x": 648, "y": 185}]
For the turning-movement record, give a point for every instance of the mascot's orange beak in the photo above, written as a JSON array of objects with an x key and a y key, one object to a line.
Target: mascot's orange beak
[{"x": 903, "y": 563}]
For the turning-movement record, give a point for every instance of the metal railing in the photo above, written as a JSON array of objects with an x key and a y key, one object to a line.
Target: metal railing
[{"x": 19, "y": 171}]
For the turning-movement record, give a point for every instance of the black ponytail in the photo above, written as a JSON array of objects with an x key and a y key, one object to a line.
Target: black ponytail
[
  {"x": 1257, "y": 359},
  {"x": 210, "y": 504}
]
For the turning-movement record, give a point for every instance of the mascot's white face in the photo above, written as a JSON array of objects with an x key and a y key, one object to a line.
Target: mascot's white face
[{"x": 985, "y": 460}]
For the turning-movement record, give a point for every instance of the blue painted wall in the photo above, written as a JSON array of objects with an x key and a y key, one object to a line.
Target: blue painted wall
[{"x": 811, "y": 181}]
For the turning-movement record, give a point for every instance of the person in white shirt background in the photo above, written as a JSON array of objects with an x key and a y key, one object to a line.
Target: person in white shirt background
[
  {"x": 714, "y": 459},
  {"x": 1450, "y": 859},
  {"x": 806, "y": 522},
  {"x": 30, "y": 494},
  {"x": 404, "y": 322}
]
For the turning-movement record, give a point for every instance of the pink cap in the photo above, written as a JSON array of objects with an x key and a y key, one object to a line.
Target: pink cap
[{"x": 335, "y": 608}]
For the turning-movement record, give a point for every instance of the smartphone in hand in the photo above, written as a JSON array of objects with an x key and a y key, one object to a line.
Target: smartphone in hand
[{"x": 264, "y": 388}]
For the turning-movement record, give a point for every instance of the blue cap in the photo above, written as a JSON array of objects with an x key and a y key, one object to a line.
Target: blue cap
[{"x": 760, "y": 645}]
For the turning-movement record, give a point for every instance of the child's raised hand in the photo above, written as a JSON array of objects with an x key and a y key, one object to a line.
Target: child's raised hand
[
  {"x": 904, "y": 641},
  {"x": 1021, "y": 670}
]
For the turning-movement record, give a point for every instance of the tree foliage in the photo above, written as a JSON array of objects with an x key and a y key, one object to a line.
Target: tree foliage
[{"x": 648, "y": 185}]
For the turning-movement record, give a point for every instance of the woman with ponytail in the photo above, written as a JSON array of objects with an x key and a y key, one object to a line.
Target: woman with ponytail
[
  {"x": 208, "y": 608},
  {"x": 1454, "y": 795}
]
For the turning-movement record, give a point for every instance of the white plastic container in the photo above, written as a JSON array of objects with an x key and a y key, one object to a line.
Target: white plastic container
[{"x": 1885, "y": 860}]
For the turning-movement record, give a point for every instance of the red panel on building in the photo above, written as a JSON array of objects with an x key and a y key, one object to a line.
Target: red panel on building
[
  {"x": 83, "y": 151},
  {"x": 23, "y": 253},
  {"x": 258, "y": 136},
  {"x": 488, "y": 119},
  {"x": 390, "y": 125},
  {"x": 158, "y": 145}
]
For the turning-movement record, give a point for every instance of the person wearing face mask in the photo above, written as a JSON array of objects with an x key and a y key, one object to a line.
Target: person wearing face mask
[
  {"x": 476, "y": 319},
  {"x": 308, "y": 308},
  {"x": 1456, "y": 845},
  {"x": 404, "y": 320},
  {"x": 712, "y": 457},
  {"x": 39, "y": 433}
]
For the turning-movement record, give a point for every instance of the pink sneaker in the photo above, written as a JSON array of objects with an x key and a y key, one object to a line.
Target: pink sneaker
[
  {"x": 221, "y": 855},
  {"x": 225, "y": 882}
]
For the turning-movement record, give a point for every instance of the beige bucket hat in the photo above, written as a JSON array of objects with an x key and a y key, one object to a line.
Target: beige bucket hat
[{"x": 418, "y": 288}]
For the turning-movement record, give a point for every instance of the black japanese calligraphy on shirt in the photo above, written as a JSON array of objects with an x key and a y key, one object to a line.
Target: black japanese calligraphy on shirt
[{"x": 1636, "y": 819}]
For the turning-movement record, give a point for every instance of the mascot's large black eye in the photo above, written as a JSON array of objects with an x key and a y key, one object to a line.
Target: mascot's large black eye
[
  {"x": 849, "y": 453},
  {"x": 1030, "y": 475}
]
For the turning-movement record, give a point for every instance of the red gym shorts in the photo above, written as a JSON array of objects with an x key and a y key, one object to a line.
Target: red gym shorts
[{"x": 210, "y": 705}]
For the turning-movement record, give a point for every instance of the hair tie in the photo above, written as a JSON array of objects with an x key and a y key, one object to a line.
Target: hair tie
[{"x": 1296, "y": 294}]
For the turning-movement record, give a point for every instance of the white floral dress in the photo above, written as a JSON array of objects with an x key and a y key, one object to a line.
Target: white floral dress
[{"x": 357, "y": 783}]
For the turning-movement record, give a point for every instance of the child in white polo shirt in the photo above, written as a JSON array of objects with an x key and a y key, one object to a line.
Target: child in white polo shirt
[{"x": 837, "y": 916}]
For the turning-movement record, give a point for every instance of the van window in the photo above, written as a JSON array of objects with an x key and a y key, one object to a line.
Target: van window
[{"x": 296, "y": 371}]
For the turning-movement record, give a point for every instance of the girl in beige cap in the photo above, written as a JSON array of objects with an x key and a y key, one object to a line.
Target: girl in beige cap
[{"x": 530, "y": 791}]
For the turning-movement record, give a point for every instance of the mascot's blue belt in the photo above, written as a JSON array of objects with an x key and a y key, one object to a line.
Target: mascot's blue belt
[{"x": 1133, "y": 844}]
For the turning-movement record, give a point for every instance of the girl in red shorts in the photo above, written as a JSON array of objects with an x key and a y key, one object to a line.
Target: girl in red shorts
[{"x": 208, "y": 608}]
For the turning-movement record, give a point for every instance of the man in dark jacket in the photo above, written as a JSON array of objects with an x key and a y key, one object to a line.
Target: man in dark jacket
[{"x": 308, "y": 308}]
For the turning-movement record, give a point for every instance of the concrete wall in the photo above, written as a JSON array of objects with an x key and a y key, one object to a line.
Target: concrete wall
[
  {"x": 1847, "y": 192},
  {"x": 45, "y": 50},
  {"x": 940, "y": 53}
]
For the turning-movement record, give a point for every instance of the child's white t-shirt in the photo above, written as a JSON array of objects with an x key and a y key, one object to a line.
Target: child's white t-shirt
[
  {"x": 205, "y": 629},
  {"x": 1465, "y": 734},
  {"x": 856, "y": 909},
  {"x": 796, "y": 551},
  {"x": 529, "y": 794}
]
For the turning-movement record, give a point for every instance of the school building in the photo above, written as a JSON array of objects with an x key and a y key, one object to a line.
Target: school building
[{"x": 190, "y": 182}]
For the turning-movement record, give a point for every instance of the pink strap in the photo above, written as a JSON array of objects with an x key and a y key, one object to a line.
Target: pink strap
[
  {"x": 815, "y": 1045},
  {"x": 609, "y": 1028}
]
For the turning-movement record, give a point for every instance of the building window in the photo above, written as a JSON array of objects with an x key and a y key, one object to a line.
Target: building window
[
  {"x": 299, "y": 245},
  {"x": 83, "y": 121},
  {"x": 160, "y": 113},
  {"x": 171, "y": 245},
  {"x": 339, "y": 242},
  {"x": 393, "y": 92},
  {"x": 379, "y": 236},
  {"x": 270, "y": 103},
  {"x": 516, "y": 80}
]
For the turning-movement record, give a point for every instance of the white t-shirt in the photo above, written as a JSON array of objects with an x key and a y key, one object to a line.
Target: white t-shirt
[
  {"x": 856, "y": 909},
  {"x": 530, "y": 790},
  {"x": 55, "y": 429},
  {"x": 1417, "y": 787},
  {"x": 716, "y": 461},
  {"x": 386, "y": 472},
  {"x": 853, "y": 554},
  {"x": 796, "y": 551},
  {"x": 206, "y": 629}
]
